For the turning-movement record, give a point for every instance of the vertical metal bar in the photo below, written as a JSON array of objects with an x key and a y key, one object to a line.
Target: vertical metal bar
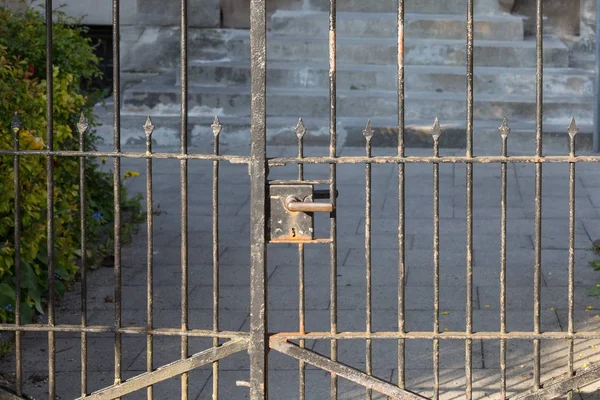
[
  {"x": 469, "y": 211},
  {"x": 573, "y": 130},
  {"x": 401, "y": 198},
  {"x": 436, "y": 260},
  {"x": 16, "y": 128},
  {"x": 300, "y": 132},
  {"x": 504, "y": 131},
  {"x": 183, "y": 170},
  {"x": 258, "y": 292},
  {"x": 596, "y": 138},
  {"x": 148, "y": 130},
  {"x": 50, "y": 202},
  {"x": 368, "y": 133},
  {"x": 82, "y": 127},
  {"x": 117, "y": 184},
  {"x": 302, "y": 320},
  {"x": 216, "y": 127},
  {"x": 332, "y": 185},
  {"x": 537, "y": 279}
]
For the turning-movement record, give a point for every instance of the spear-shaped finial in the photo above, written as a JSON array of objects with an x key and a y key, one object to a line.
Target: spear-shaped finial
[
  {"x": 436, "y": 130},
  {"x": 148, "y": 127},
  {"x": 368, "y": 132},
  {"x": 504, "y": 129},
  {"x": 300, "y": 129},
  {"x": 216, "y": 126},
  {"x": 16, "y": 123},
  {"x": 83, "y": 124},
  {"x": 573, "y": 128}
]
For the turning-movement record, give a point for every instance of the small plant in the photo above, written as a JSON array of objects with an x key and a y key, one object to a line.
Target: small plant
[{"x": 23, "y": 90}]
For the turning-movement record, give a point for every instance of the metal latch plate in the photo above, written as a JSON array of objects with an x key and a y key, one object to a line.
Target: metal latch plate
[{"x": 285, "y": 225}]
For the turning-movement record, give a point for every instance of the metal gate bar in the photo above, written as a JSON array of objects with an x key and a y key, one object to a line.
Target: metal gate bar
[
  {"x": 401, "y": 199},
  {"x": 333, "y": 291},
  {"x": 183, "y": 181},
  {"x": 258, "y": 349},
  {"x": 116, "y": 185},
  {"x": 148, "y": 130},
  {"x": 537, "y": 239}
]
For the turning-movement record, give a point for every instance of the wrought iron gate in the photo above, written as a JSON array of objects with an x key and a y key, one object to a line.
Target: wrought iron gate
[{"x": 292, "y": 202}]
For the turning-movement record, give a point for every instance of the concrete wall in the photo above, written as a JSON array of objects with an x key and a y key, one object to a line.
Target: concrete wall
[
  {"x": 563, "y": 16},
  {"x": 202, "y": 14},
  {"x": 236, "y": 13}
]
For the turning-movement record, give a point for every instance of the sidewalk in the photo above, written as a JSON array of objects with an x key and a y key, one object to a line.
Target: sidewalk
[{"x": 283, "y": 279}]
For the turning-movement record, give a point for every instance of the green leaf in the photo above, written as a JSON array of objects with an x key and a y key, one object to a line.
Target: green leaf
[
  {"x": 7, "y": 295},
  {"x": 27, "y": 313},
  {"x": 595, "y": 264},
  {"x": 594, "y": 292}
]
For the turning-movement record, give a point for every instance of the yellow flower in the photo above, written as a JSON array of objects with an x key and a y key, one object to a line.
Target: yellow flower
[
  {"x": 30, "y": 141},
  {"x": 445, "y": 312},
  {"x": 104, "y": 160},
  {"x": 552, "y": 309},
  {"x": 131, "y": 174}
]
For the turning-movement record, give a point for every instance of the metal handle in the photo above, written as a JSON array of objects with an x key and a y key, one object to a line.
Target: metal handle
[{"x": 294, "y": 204}]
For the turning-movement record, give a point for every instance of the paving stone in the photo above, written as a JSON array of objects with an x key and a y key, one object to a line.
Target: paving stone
[
  {"x": 385, "y": 297},
  {"x": 418, "y": 207},
  {"x": 68, "y": 354},
  {"x": 418, "y": 258},
  {"x": 419, "y": 352},
  {"x": 480, "y": 242},
  {"x": 552, "y": 297},
  {"x": 554, "y": 356},
  {"x": 134, "y": 297},
  {"x": 229, "y": 320},
  {"x": 234, "y": 298}
]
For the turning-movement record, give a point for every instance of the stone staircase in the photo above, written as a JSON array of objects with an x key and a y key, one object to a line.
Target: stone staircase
[{"x": 435, "y": 74}]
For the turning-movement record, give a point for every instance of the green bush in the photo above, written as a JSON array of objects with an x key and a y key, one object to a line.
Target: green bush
[{"x": 23, "y": 90}]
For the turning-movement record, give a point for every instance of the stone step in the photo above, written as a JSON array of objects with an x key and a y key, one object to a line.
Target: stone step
[
  {"x": 410, "y": 6},
  {"x": 236, "y": 46},
  {"x": 425, "y": 26},
  {"x": 280, "y": 130},
  {"x": 418, "y": 78},
  {"x": 159, "y": 98}
]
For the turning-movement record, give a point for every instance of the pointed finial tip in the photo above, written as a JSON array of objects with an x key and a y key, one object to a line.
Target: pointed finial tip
[
  {"x": 368, "y": 132},
  {"x": 436, "y": 130},
  {"x": 504, "y": 129},
  {"x": 83, "y": 124},
  {"x": 573, "y": 129},
  {"x": 300, "y": 129},
  {"x": 16, "y": 122},
  {"x": 216, "y": 126},
  {"x": 148, "y": 126}
]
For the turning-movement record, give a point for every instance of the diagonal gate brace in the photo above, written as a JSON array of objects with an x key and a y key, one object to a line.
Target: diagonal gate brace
[
  {"x": 170, "y": 370},
  {"x": 342, "y": 370},
  {"x": 554, "y": 390}
]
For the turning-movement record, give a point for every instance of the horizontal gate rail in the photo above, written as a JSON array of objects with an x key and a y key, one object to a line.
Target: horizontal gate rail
[
  {"x": 341, "y": 370},
  {"x": 171, "y": 370},
  {"x": 125, "y": 154},
  {"x": 279, "y": 162},
  {"x": 130, "y": 330},
  {"x": 440, "y": 335}
]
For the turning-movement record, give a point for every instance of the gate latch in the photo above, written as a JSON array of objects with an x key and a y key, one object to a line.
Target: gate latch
[{"x": 292, "y": 209}]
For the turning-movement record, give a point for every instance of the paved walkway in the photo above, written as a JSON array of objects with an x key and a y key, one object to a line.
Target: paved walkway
[{"x": 283, "y": 280}]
